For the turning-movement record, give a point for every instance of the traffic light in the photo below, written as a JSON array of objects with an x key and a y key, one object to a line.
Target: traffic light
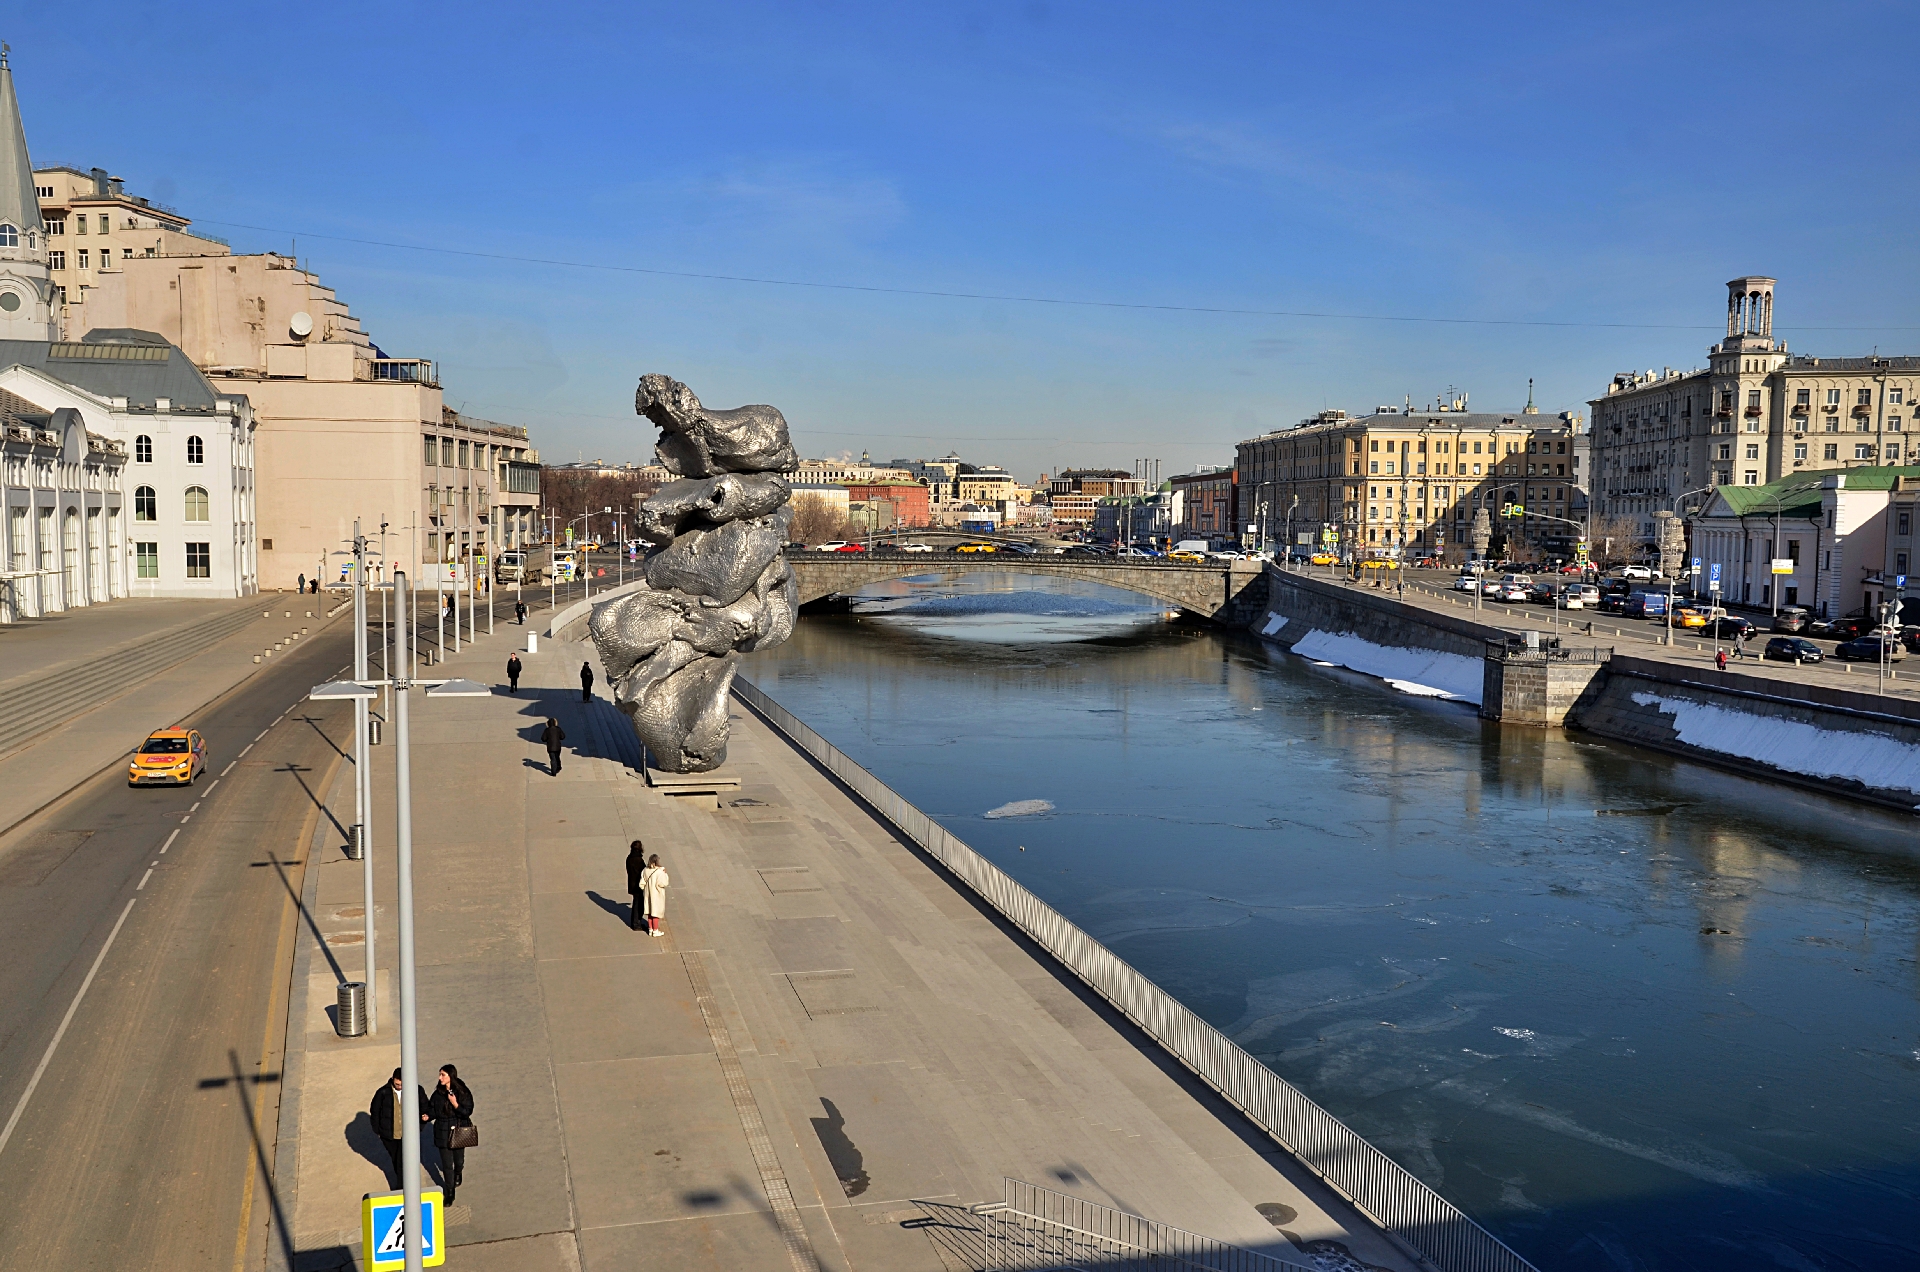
[{"x": 1513, "y": 510}]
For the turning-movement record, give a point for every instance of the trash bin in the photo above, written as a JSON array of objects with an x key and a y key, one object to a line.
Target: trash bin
[
  {"x": 356, "y": 846},
  {"x": 350, "y": 1021}
]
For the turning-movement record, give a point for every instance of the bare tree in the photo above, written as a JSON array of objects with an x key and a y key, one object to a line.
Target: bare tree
[
  {"x": 815, "y": 520},
  {"x": 1616, "y": 540},
  {"x": 568, "y": 493}
]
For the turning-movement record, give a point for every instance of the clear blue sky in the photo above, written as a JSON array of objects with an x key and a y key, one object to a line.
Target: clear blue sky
[{"x": 1599, "y": 164}]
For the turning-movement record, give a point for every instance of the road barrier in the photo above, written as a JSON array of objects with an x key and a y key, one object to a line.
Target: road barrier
[{"x": 1383, "y": 1190}]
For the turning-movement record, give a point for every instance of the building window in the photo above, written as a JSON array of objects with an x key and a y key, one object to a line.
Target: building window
[
  {"x": 1893, "y": 450},
  {"x": 146, "y": 560},
  {"x": 433, "y": 451},
  {"x": 196, "y": 451},
  {"x": 1726, "y": 451},
  {"x": 1833, "y": 397},
  {"x": 1753, "y": 478},
  {"x": 1830, "y": 451},
  {"x": 143, "y": 449},
  {"x": 1799, "y": 450},
  {"x": 82, "y": 264},
  {"x": 446, "y": 452},
  {"x": 1906, "y": 524},
  {"x": 1753, "y": 450},
  {"x": 1389, "y": 466},
  {"x": 1899, "y": 563},
  {"x": 1802, "y": 397},
  {"x": 200, "y": 560},
  {"x": 103, "y": 222},
  {"x": 1893, "y": 423},
  {"x": 463, "y": 454},
  {"x": 146, "y": 504},
  {"x": 1863, "y": 397},
  {"x": 1833, "y": 424},
  {"x": 1373, "y": 465},
  {"x": 80, "y": 223},
  {"x": 266, "y": 545},
  {"x": 1863, "y": 450},
  {"x": 198, "y": 507},
  {"x": 56, "y": 260},
  {"x": 1896, "y": 396},
  {"x": 1753, "y": 399}
]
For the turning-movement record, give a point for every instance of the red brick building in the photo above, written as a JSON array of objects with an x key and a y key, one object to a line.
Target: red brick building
[
  {"x": 1208, "y": 504},
  {"x": 909, "y": 500}
]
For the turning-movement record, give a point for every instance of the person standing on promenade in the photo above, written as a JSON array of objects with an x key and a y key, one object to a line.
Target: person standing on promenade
[
  {"x": 386, "y": 1114},
  {"x": 520, "y": 612},
  {"x": 653, "y": 886},
  {"x": 302, "y": 589},
  {"x": 513, "y": 672},
  {"x": 451, "y": 1111},
  {"x": 586, "y": 682},
  {"x": 552, "y": 736},
  {"x": 636, "y": 870}
]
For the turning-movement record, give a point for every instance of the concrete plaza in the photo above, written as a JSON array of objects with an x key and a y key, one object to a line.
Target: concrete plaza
[{"x": 830, "y": 1031}]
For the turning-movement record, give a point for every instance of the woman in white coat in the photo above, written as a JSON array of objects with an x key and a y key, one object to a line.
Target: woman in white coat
[{"x": 653, "y": 893}]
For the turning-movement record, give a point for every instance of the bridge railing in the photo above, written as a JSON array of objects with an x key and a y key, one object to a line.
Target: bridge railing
[{"x": 1383, "y": 1190}]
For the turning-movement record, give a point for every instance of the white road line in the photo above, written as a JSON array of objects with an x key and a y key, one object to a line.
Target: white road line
[
  {"x": 170, "y": 838},
  {"x": 210, "y": 785},
  {"x": 244, "y": 750},
  {"x": 229, "y": 768},
  {"x": 258, "y": 736},
  {"x": 195, "y": 808},
  {"x": 61, "y": 1032},
  {"x": 186, "y": 819},
  {"x": 143, "y": 879}
]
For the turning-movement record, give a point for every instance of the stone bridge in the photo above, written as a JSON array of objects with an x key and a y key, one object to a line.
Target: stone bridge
[{"x": 1230, "y": 592}]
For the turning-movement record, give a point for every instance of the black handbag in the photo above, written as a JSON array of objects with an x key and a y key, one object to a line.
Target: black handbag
[{"x": 463, "y": 1135}]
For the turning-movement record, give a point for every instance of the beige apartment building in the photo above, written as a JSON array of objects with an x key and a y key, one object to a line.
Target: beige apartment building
[
  {"x": 94, "y": 227},
  {"x": 1754, "y": 415},
  {"x": 344, "y": 432},
  {"x": 1407, "y": 482},
  {"x": 1076, "y": 492}
]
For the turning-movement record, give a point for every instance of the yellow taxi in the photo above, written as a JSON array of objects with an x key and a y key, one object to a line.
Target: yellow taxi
[
  {"x": 169, "y": 757},
  {"x": 977, "y": 547},
  {"x": 1325, "y": 558},
  {"x": 1684, "y": 616},
  {"x": 1191, "y": 558},
  {"x": 1379, "y": 565}
]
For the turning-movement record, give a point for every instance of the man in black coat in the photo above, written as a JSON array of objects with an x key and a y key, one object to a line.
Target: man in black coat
[
  {"x": 513, "y": 673},
  {"x": 385, "y": 1112},
  {"x": 551, "y": 737},
  {"x": 586, "y": 682}
]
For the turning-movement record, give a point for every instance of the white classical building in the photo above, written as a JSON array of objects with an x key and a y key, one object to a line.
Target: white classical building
[
  {"x": 63, "y": 522},
  {"x": 186, "y": 524}
]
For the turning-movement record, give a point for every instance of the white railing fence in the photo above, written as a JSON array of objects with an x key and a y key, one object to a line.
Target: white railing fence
[{"x": 1380, "y": 1187}]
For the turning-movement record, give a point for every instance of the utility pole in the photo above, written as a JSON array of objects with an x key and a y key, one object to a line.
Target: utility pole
[{"x": 362, "y": 783}]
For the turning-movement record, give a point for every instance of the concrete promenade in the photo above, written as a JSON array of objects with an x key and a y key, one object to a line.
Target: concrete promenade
[{"x": 830, "y": 1030}]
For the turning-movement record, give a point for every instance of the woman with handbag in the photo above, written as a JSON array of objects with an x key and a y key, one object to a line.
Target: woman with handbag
[{"x": 451, "y": 1110}]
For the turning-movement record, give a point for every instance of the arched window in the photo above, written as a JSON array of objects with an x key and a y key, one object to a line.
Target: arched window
[
  {"x": 143, "y": 449},
  {"x": 146, "y": 504},
  {"x": 196, "y": 451},
  {"x": 9, "y": 236},
  {"x": 197, "y": 506}
]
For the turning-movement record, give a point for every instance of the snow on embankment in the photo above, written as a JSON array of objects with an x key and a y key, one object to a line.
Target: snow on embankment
[
  {"x": 1875, "y": 760},
  {"x": 1427, "y": 672}
]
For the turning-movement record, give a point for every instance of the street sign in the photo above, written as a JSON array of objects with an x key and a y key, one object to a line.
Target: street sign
[
  {"x": 1781, "y": 565},
  {"x": 1714, "y": 574},
  {"x": 1695, "y": 571},
  {"x": 383, "y": 1237},
  {"x": 1899, "y": 580}
]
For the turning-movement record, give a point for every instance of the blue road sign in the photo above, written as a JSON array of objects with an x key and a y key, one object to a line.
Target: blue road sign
[
  {"x": 383, "y": 1230},
  {"x": 1899, "y": 580},
  {"x": 1696, "y": 565},
  {"x": 1714, "y": 575}
]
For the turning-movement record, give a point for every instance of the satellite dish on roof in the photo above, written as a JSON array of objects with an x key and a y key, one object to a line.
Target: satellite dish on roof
[{"x": 301, "y": 324}]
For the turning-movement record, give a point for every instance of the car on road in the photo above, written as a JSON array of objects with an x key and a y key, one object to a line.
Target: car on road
[
  {"x": 1542, "y": 594},
  {"x": 1870, "y": 649},
  {"x": 1467, "y": 583},
  {"x": 1855, "y": 627},
  {"x": 832, "y": 545},
  {"x": 1687, "y": 616},
  {"x": 1324, "y": 558},
  {"x": 169, "y": 757},
  {"x": 974, "y": 547},
  {"x": 916, "y": 547},
  {"x": 1793, "y": 649},
  {"x": 1638, "y": 573},
  {"x": 1187, "y": 558},
  {"x": 1586, "y": 593},
  {"x": 1792, "y": 620},
  {"x": 1730, "y": 627},
  {"x": 1020, "y": 549},
  {"x": 1088, "y": 550}
]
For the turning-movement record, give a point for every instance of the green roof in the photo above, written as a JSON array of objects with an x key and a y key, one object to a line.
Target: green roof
[{"x": 1799, "y": 495}]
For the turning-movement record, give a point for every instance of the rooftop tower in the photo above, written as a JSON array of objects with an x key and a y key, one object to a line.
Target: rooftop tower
[{"x": 26, "y": 287}]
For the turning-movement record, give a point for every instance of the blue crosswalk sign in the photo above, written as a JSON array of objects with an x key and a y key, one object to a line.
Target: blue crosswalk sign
[{"x": 383, "y": 1230}]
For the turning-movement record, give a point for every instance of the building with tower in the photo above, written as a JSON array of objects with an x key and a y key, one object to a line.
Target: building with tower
[
  {"x": 26, "y": 286},
  {"x": 1754, "y": 415}
]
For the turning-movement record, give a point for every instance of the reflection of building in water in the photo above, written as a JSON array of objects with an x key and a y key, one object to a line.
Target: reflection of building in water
[{"x": 1732, "y": 871}]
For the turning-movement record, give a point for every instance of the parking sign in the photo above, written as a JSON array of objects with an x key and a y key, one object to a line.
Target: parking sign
[
  {"x": 1714, "y": 574},
  {"x": 1696, "y": 566}
]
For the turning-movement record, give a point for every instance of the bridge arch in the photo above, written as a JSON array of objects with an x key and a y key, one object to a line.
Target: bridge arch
[{"x": 1218, "y": 592}]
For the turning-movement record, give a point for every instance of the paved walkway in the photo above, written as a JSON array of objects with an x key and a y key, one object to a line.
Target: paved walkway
[{"x": 830, "y": 1031}]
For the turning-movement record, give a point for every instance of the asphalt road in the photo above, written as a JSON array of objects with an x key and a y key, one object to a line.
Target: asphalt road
[{"x": 146, "y": 940}]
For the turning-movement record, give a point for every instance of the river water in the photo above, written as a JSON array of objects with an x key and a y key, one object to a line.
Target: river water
[{"x": 1626, "y": 1011}]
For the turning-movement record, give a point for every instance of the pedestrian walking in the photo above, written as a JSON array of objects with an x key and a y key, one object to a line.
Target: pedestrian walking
[
  {"x": 387, "y": 1115},
  {"x": 449, "y": 606},
  {"x": 520, "y": 612},
  {"x": 1739, "y": 644},
  {"x": 586, "y": 682},
  {"x": 513, "y": 672},
  {"x": 303, "y": 583},
  {"x": 653, "y": 889},
  {"x": 451, "y": 1111},
  {"x": 553, "y": 735},
  {"x": 636, "y": 869},
  {"x": 1720, "y": 659}
]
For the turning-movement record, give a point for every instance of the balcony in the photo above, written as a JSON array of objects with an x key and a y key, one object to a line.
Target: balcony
[
  {"x": 1862, "y": 408},
  {"x": 404, "y": 371},
  {"x": 1753, "y": 411},
  {"x": 1799, "y": 408}
]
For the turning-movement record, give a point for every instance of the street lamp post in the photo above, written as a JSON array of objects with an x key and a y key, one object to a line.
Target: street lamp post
[
  {"x": 362, "y": 690},
  {"x": 362, "y": 783}
]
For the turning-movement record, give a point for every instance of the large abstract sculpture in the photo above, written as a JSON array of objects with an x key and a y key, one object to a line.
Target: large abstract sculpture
[{"x": 716, "y": 584}]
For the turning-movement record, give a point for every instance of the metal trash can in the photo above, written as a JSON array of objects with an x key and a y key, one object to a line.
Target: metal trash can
[
  {"x": 373, "y": 730},
  {"x": 350, "y": 1021},
  {"x": 356, "y": 846}
]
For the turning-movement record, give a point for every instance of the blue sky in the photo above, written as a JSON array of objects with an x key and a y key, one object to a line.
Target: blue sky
[{"x": 1606, "y": 166}]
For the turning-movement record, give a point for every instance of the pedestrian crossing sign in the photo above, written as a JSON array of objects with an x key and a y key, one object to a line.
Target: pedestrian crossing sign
[{"x": 383, "y": 1230}]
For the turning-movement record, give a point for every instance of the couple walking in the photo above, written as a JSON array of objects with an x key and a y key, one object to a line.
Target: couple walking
[
  {"x": 647, "y": 882},
  {"x": 450, "y": 1109}
]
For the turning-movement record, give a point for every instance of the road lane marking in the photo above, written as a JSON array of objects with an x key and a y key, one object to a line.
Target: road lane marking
[
  {"x": 186, "y": 819},
  {"x": 195, "y": 808},
  {"x": 210, "y": 785},
  {"x": 230, "y": 764},
  {"x": 245, "y": 749},
  {"x": 258, "y": 736},
  {"x": 143, "y": 879},
  {"x": 170, "y": 838},
  {"x": 61, "y": 1032}
]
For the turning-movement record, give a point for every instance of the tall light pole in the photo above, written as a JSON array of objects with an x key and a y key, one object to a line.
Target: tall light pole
[
  {"x": 362, "y": 780},
  {"x": 362, "y": 690}
]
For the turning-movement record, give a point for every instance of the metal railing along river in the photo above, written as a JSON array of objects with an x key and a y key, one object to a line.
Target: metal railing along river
[{"x": 1380, "y": 1187}]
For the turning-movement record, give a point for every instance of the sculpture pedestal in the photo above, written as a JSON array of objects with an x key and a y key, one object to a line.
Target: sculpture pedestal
[{"x": 696, "y": 787}]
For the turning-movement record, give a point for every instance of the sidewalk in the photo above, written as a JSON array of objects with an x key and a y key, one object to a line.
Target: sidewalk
[{"x": 830, "y": 1031}]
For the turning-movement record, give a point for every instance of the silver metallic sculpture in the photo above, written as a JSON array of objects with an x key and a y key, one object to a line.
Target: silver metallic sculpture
[{"x": 716, "y": 584}]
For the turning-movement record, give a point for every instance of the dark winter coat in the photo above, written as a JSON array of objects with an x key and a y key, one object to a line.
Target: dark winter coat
[
  {"x": 552, "y": 736},
  {"x": 586, "y": 676},
  {"x": 636, "y": 862},
  {"x": 445, "y": 1116},
  {"x": 381, "y": 1111},
  {"x": 513, "y": 667}
]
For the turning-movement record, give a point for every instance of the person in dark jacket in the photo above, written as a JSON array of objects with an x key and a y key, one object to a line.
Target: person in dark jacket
[
  {"x": 636, "y": 862},
  {"x": 451, "y": 1106},
  {"x": 552, "y": 736},
  {"x": 586, "y": 682},
  {"x": 302, "y": 589},
  {"x": 385, "y": 1113},
  {"x": 513, "y": 673},
  {"x": 520, "y": 613}
]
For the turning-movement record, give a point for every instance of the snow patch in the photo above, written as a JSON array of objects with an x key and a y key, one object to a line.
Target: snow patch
[
  {"x": 1022, "y": 808},
  {"x": 1427, "y": 672},
  {"x": 1874, "y": 759},
  {"x": 1274, "y": 623}
]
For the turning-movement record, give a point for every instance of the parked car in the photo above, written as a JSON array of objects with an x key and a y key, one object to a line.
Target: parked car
[
  {"x": 1587, "y": 593},
  {"x": 851, "y": 547},
  {"x": 1638, "y": 573},
  {"x": 916, "y": 547},
  {"x": 1910, "y": 637},
  {"x": 1467, "y": 583},
  {"x": 1793, "y": 620},
  {"x": 1730, "y": 626},
  {"x": 1793, "y": 649},
  {"x": 833, "y": 545},
  {"x": 1855, "y": 627},
  {"x": 1870, "y": 649},
  {"x": 1019, "y": 548}
]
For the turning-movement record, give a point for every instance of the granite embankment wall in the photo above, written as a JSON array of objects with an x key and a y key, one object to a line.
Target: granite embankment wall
[{"x": 1843, "y": 742}]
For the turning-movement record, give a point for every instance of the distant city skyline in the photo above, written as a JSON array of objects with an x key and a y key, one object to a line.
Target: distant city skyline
[{"x": 1418, "y": 165}]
